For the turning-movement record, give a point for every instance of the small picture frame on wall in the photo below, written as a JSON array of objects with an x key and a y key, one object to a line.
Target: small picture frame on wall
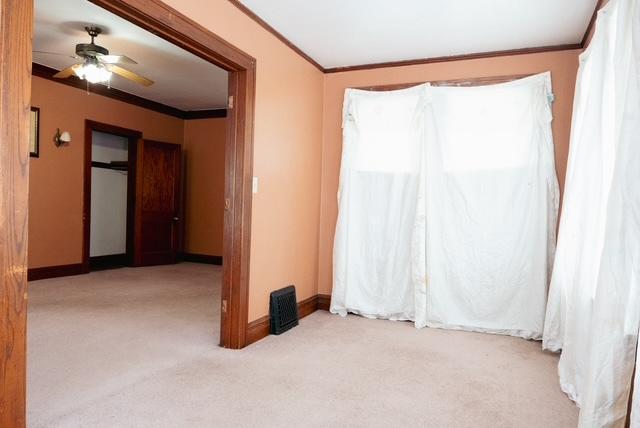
[{"x": 34, "y": 134}]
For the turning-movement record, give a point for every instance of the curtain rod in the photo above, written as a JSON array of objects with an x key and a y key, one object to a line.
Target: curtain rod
[{"x": 477, "y": 81}]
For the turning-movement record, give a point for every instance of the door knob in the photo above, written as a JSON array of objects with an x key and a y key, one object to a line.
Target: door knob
[{"x": 176, "y": 218}]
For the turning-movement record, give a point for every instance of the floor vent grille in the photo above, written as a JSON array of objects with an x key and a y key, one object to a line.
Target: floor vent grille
[{"x": 283, "y": 309}]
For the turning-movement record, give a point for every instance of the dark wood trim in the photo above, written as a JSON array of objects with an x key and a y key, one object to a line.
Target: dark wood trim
[
  {"x": 307, "y": 306},
  {"x": 97, "y": 263},
  {"x": 260, "y": 328},
  {"x": 35, "y": 154},
  {"x": 132, "y": 192},
  {"x": 166, "y": 22},
  {"x": 201, "y": 258},
  {"x": 237, "y": 222},
  {"x": 35, "y": 274},
  {"x": 111, "y": 165},
  {"x": 132, "y": 136},
  {"x": 16, "y": 20},
  {"x": 111, "y": 261},
  {"x": 480, "y": 55},
  {"x": 419, "y": 61},
  {"x": 45, "y": 72},
  {"x": 324, "y": 302},
  {"x": 244, "y": 9},
  {"x": 592, "y": 21},
  {"x": 161, "y": 19},
  {"x": 137, "y": 188},
  {"x": 477, "y": 81},
  {"x": 205, "y": 114}
]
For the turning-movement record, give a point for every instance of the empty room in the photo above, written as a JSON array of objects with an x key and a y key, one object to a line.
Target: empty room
[{"x": 246, "y": 213}]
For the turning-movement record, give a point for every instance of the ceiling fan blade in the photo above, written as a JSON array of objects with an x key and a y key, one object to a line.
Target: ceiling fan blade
[
  {"x": 130, "y": 75},
  {"x": 115, "y": 59},
  {"x": 69, "y": 71},
  {"x": 57, "y": 54}
]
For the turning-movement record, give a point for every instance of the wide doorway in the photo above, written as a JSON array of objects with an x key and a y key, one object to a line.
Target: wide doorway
[{"x": 137, "y": 204}]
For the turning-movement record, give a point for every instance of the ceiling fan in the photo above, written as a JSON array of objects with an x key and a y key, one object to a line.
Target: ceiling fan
[{"x": 97, "y": 65}]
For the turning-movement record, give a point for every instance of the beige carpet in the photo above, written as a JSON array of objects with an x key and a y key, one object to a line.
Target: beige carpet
[{"x": 137, "y": 348}]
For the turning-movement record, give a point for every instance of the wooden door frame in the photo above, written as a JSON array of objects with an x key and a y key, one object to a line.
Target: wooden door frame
[
  {"x": 166, "y": 22},
  {"x": 132, "y": 137},
  {"x": 16, "y": 21}
]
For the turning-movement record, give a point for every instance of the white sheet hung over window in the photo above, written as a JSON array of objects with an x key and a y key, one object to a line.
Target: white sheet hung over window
[
  {"x": 594, "y": 302},
  {"x": 377, "y": 203},
  {"x": 582, "y": 226},
  {"x": 491, "y": 207},
  {"x": 447, "y": 206}
]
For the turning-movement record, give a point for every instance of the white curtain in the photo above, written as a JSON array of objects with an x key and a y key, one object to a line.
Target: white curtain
[
  {"x": 593, "y": 313},
  {"x": 491, "y": 206},
  {"x": 377, "y": 198},
  {"x": 447, "y": 206}
]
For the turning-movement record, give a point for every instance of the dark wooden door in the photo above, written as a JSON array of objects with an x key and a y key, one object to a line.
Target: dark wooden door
[{"x": 157, "y": 203}]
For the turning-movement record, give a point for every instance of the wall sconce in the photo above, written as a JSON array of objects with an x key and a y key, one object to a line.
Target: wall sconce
[{"x": 60, "y": 139}]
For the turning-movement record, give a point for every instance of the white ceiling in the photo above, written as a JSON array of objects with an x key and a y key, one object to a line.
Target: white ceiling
[
  {"x": 182, "y": 80},
  {"x": 338, "y": 33}
]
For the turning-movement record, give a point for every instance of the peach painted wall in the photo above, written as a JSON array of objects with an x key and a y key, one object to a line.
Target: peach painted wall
[
  {"x": 297, "y": 143},
  {"x": 56, "y": 177},
  {"x": 203, "y": 151},
  {"x": 563, "y": 66},
  {"x": 287, "y": 154}
]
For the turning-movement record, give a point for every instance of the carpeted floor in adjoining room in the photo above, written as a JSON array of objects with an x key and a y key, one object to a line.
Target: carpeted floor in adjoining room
[{"x": 138, "y": 348}]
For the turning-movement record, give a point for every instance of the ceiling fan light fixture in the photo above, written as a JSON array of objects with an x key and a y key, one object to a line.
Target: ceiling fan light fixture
[
  {"x": 93, "y": 73},
  {"x": 97, "y": 66}
]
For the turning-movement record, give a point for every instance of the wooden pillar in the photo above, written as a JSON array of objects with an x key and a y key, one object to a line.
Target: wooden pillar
[{"x": 16, "y": 22}]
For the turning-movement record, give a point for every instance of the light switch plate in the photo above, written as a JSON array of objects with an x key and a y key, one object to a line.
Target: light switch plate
[{"x": 255, "y": 185}]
